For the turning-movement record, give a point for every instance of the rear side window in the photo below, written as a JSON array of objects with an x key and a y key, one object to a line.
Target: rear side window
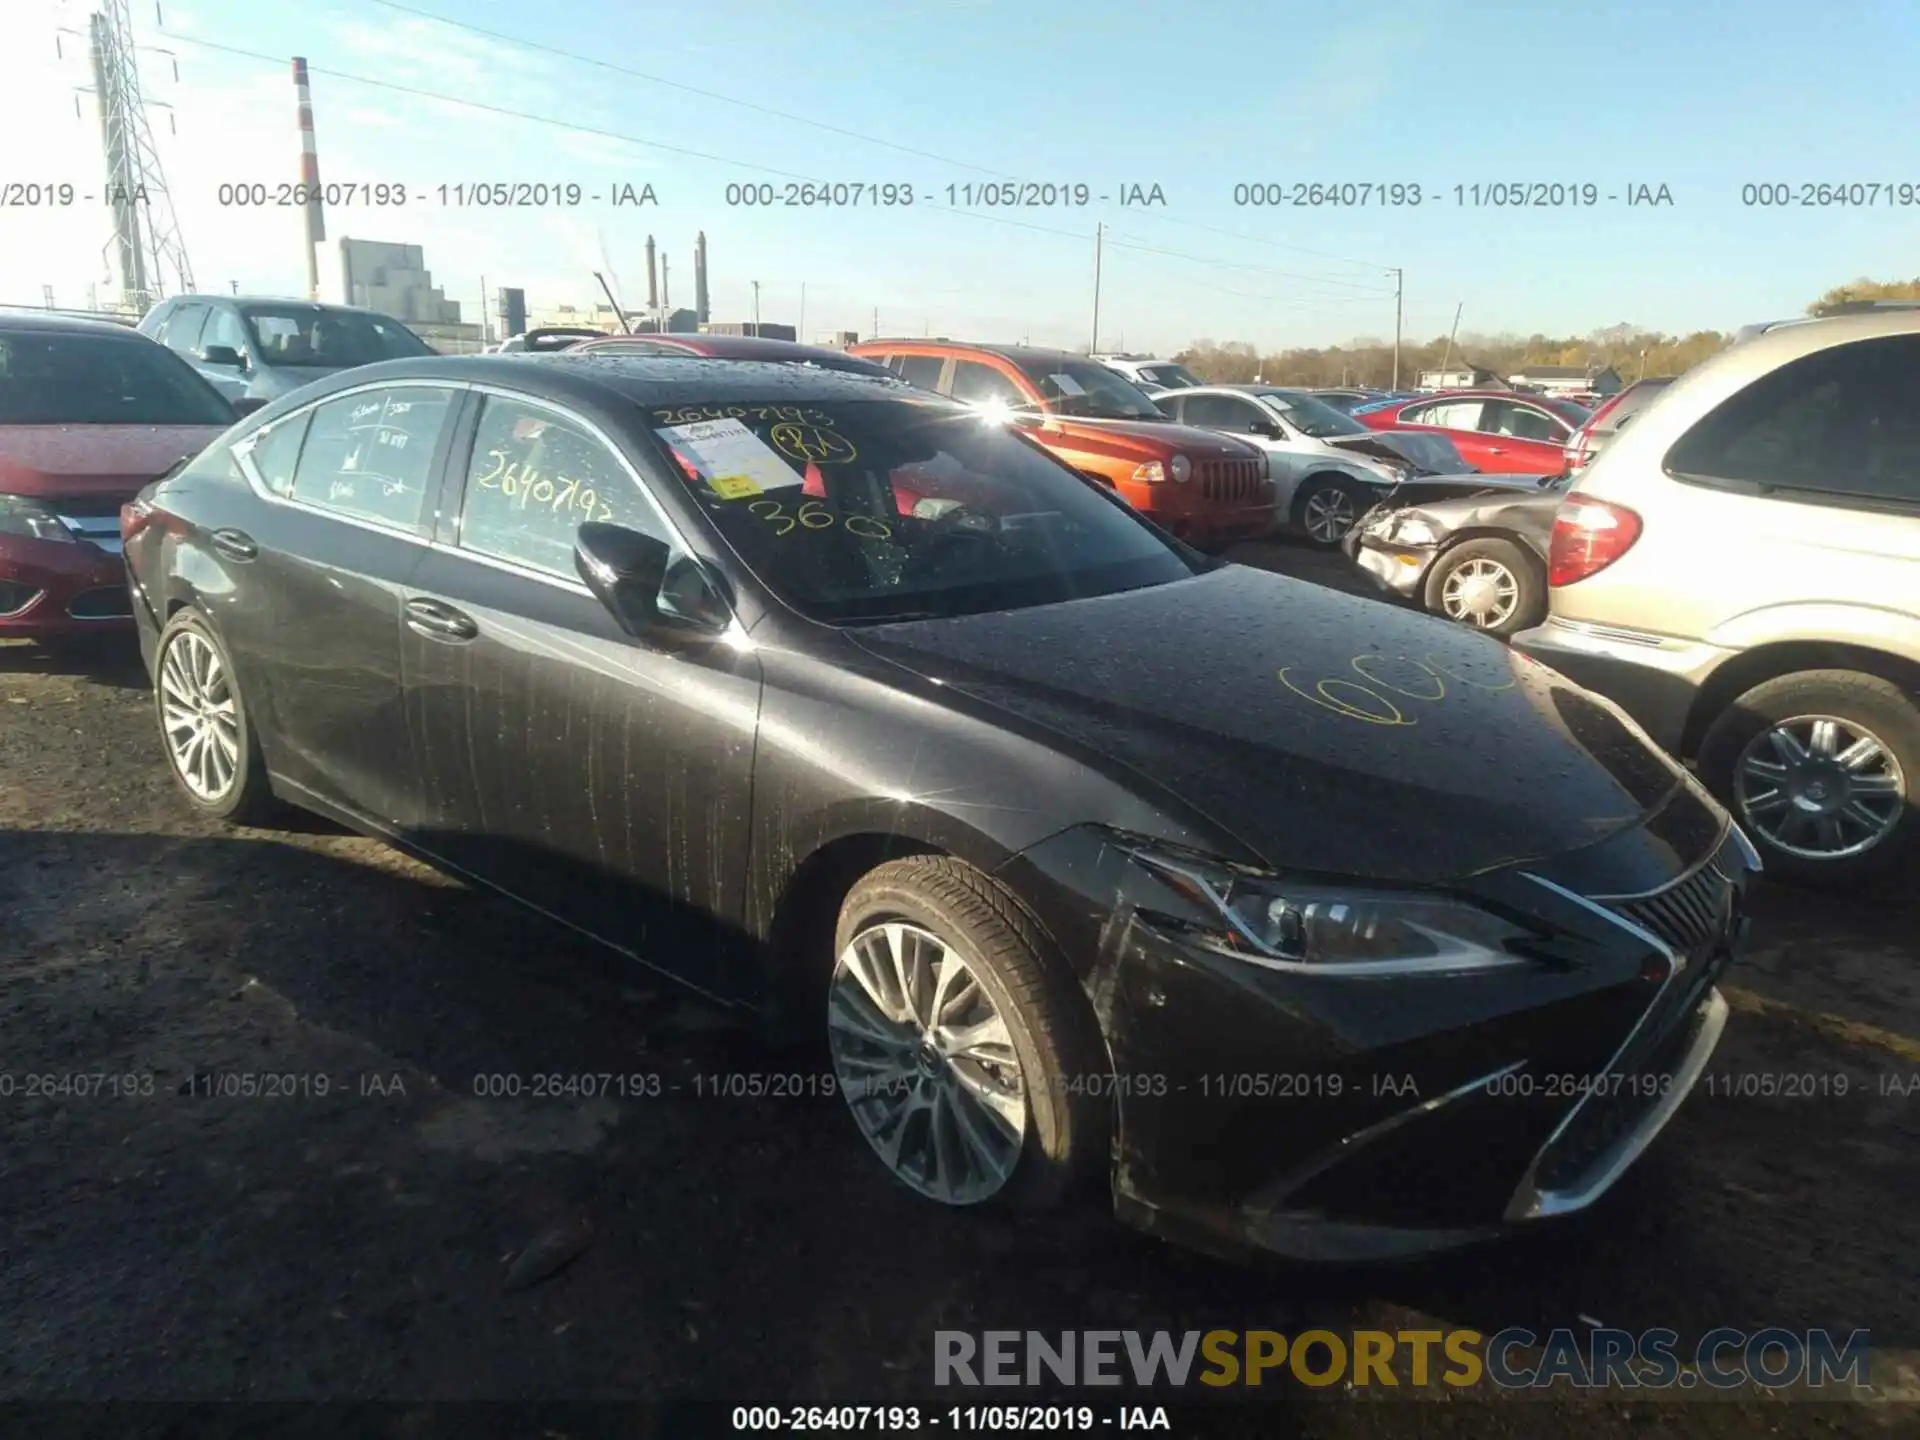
[
  {"x": 369, "y": 455},
  {"x": 274, "y": 451},
  {"x": 1448, "y": 415},
  {"x": 1843, "y": 422},
  {"x": 977, "y": 384},
  {"x": 921, "y": 370},
  {"x": 535, "y": 479}
]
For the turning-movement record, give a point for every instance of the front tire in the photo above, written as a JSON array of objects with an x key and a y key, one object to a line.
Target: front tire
[
  {"x": 1328, "y": 506},
  {"x": 204, "y": 727},
  {"x": 967, "y": 1055},
  {"x": 1488, "y": 584},
  {"x": 1819, "y": 768}
]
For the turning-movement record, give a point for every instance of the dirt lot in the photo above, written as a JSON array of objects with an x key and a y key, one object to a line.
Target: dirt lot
[{"x": 168, "y": 1242}]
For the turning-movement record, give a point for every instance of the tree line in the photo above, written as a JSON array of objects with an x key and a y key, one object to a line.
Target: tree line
[{"x": 1631, "y": 350}]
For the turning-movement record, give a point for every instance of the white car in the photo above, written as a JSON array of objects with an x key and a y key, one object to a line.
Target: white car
[
  {"x": 1327, "y": 468},
  {"x": 1151, "y": 375}
]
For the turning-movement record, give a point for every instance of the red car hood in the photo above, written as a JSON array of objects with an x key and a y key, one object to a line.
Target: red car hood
[
  {"x": 96, "y": 460},
  {"x": 1150, "y": 438}
]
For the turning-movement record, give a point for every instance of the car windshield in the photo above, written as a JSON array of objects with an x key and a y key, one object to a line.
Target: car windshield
[
  {"x": 1172, "y": 377},
  {"x": 1311, "y": 415},
  {"x": 55, "y": 379},
  {"x": 304, "y": 336},
  {"x": 1088, "y": 390},
  {"x": 904, "y": 508}
]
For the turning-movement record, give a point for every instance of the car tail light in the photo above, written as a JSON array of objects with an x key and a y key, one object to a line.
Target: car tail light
[
  {"x": 1578, "y": 453},
  {"x": 134, "y": 516},
  {"x": 1588, "y": 536}
]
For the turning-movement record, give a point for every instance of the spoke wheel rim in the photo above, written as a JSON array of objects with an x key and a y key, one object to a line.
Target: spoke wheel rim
[
  {"x": 1820, "y": 787},
  {"x": 926, "y": 1063},
  {"x": 1481, "y": 592},
  {"x": 1328, "y": 513},
  {"x": 199, "y": 717}
]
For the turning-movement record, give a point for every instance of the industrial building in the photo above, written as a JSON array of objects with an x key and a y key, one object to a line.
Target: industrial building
[{"x": 393, "y": 279}]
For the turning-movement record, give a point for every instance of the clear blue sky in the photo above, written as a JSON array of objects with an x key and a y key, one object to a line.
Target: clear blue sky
[{"x": 1700, "y": 97}]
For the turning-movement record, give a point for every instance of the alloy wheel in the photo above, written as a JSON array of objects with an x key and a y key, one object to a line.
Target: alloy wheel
[
  {"x": 926, "y": 1063},
  {"x": 1820, "y": 787},
  {"x": 200, "y": 716},
  {"x": 1481, "y": 593},
  {"x": 1328, "y": 514}
]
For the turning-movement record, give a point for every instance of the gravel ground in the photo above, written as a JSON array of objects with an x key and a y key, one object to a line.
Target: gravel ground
[{"x": 379, "y": 1241}]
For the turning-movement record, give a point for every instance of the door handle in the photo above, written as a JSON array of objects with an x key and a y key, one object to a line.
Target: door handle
[
  {"x": 235, "y": 544},
  {"x": 439, "y": 622}
]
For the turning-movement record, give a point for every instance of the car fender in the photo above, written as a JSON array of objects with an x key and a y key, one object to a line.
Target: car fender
[{"x": 1877, "y": 627}]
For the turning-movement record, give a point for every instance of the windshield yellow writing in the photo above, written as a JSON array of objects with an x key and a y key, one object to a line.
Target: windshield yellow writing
[{"x": 519, "y": 482}]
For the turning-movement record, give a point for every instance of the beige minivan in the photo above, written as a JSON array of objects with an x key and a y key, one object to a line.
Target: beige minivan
[{"x": 1740, "y": 571}]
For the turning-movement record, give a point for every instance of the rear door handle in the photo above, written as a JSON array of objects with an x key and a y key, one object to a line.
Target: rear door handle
[{"x": 439, "y": 622}]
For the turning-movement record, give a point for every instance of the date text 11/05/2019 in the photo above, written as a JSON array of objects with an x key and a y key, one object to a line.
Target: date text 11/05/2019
[
  {"x": 792, "y": 1419},
  {"x": 1476, "y": 195},
  {"x": 455, "y": 195}
]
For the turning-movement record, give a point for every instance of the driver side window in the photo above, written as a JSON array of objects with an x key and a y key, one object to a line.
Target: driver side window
[{"x": 534, "y": 479}]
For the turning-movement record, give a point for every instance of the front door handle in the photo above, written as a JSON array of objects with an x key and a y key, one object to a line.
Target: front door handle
[
  {"x": 234, "y": 544},
  {"x": 439, "y": 622}
]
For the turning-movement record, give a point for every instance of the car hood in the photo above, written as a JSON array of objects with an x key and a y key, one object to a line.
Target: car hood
[
  {"x": 97, "y": 460},
  {"x": 1432, "y": 453},
  {"x": 1149, "y": 437},
  {"x": 1325, "y": 732}
]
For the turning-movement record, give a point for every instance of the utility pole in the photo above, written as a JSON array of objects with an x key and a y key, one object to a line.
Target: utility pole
[
  {"x": 756, "y": 307},
  {"x": 1448, "y": 359},
  {"x": 800, "y": 330},
  {"x": 1399, "y": 289},
  {"x": 1098, "y": 234},
  {"x": 486, "y": 332},
  {"x": 876, "y": 322}
]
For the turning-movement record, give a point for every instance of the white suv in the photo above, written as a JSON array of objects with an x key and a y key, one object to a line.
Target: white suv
[
  {"x": 1149, "y": 374},
  {"x": 1740, "y": 570}
]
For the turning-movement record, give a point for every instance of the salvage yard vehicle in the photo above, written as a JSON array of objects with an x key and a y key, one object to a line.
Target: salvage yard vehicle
[
  {"x": 253, "y": 349},
  {"x": 1150, "y": 374},
  {"x": 1472, "y": 549},
  {"x": 1613, "y": 415},
  {"x": 1741, "y": 570},
  {"x": 1327, "y": 468},
  {"x": 1499, "y": 431},
  {"x": 1083, "y": 856},
  {"x": 1206, "y": 489},
  {"x": 89, "y": 412}
]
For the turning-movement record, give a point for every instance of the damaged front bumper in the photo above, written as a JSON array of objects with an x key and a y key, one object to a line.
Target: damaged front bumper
[{"x": 1330, "y": 1118}]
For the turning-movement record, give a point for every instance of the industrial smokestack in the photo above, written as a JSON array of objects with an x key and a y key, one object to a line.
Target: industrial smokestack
[
  {"x": 700, "y": 277},
  {"x": 664, "y": 301},
  {"x": 653, "y": 279},
  {"x": 310, "y": 179}
]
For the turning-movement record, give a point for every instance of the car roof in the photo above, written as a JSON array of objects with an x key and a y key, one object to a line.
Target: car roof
[
  {"x": 31, "y": 321},
  {"x": 733, "y": 347},
  {"x": 590, "y": 379},
  {"x": 1019, "y": 354},
  {"x": 281, "y": 302}
]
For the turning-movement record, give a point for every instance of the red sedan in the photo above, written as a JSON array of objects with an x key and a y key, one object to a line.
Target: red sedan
[
  {"x": 89, "y": 412},
  {"x": 1496, "y": 430}
]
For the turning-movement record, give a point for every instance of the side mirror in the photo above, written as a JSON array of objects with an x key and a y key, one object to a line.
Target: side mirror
[
  {"x": 1269, "y": 428},
  {"x": 644, "y": 585},
  {"x": 247, "y": 404},
  {"x": 223, "y": 355}
]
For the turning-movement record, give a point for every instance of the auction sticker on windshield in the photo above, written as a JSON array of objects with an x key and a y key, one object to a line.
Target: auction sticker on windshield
[{"x": 735, "y": 463}]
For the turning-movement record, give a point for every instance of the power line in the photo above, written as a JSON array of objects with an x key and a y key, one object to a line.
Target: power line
[
  {"x": 577, "y": 57},
  {"x": 1254, "y": 269}
]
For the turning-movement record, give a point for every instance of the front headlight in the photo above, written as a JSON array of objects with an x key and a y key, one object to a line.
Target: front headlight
[
  {"x": 1412, "y": 530},
  {"x": 1151, "y": 473},
  {"x": 20, "y": 515},
  {"x": 1317, "y": 927}
]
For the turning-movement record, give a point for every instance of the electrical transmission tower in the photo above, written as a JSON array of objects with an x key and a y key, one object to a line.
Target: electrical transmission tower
[{"x": 149, "y": 256}]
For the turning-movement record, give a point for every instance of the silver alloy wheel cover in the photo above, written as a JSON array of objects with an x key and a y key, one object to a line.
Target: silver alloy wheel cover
[
  {"x": 1823, "y": 778},
  {"x": 200, "y": 717},
  {"x": 1480, "y": 576},
  {"x": 926, "y": 1063},
  {"x": 1328, "y": 513}
]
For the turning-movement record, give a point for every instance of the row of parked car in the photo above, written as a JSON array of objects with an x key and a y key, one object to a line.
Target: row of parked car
[{"x": 942, "y": 742}]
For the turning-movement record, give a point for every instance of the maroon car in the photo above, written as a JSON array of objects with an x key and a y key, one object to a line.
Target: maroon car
[
  {"x": 733, "y": 347},
  {"x": 1502, "y": 432},
  {"x": 89, "y": 412}
]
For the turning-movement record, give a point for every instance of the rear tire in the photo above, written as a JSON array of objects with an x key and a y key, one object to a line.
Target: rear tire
[
  {"x": 1045, "y": 1120},
  {"x": 1497, "y": 576},
  {"x": 205, "y": 731},
  {"x": 1327, "y": 506},
  {"x": 1811, "y": 764}
]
